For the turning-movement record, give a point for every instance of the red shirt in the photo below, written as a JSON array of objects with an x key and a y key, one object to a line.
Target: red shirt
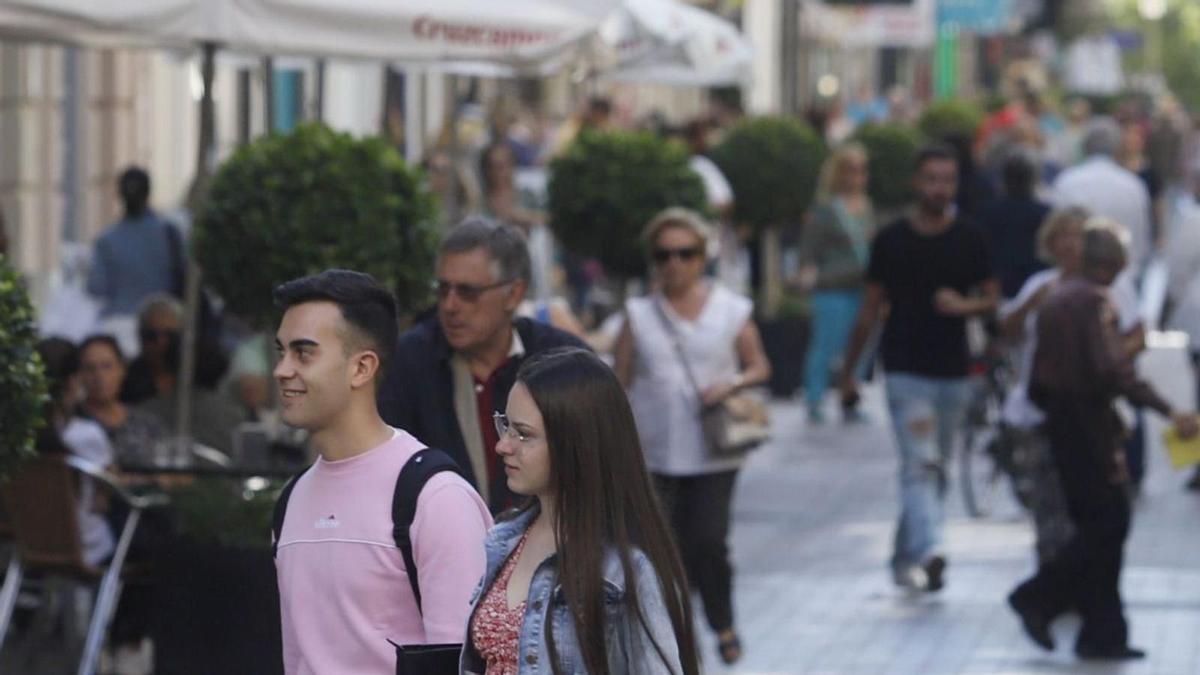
[{"x": 485, "y": 393}]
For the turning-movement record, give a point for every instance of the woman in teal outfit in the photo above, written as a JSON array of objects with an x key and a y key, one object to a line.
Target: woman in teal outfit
[{"x": 834, "y": 247}]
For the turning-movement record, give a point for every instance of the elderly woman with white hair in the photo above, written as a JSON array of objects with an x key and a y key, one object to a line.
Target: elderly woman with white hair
[{"x": 688, "y": 345}]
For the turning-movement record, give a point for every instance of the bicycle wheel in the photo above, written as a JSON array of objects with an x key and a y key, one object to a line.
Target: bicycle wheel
[{"x": 981, "y": 476}]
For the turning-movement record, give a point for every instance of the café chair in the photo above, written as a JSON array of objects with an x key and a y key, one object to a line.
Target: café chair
[{"x": 42, "y": 501}]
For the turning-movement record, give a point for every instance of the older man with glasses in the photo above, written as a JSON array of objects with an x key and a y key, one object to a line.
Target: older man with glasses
[{"x": 452, "y": 372}]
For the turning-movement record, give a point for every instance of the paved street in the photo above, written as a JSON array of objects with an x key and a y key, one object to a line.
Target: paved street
[{"x": 814, "y": 518}]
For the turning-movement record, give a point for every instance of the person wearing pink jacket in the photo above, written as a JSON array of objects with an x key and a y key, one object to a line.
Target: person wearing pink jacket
[{"x": 344, "y": 588}]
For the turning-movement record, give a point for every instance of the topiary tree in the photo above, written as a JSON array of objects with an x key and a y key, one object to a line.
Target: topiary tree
[
  {"x": 607, "y": 185},
  {"x": 289, "y": 205},
  {"x": 22, "y": 380},
  {"x": 950, "y": 116},
  {"x": 772, "y": 164},
  {"x": 891, "y": 150}
]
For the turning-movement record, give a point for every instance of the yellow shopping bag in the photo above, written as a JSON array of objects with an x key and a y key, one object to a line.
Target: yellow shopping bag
[{"x": 1182, "y": 452}]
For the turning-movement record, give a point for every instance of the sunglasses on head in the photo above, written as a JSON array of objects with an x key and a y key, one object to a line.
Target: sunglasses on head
[{"x": 662, "y": 255}]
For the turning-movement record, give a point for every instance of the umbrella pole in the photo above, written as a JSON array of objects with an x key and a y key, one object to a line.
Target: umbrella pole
[
  {"x": 268, "y": 66},
  {"x": 204, "y": 162},
  {"x": 319, "y": 113}
]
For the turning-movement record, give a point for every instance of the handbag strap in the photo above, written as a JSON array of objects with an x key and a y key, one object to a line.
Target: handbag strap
[{"x": 677, "y": 343}]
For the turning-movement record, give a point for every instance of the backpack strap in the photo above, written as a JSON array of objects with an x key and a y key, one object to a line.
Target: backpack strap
[
  {"x": 281, "y": 510},
  {"x": 417, "y": 471}
]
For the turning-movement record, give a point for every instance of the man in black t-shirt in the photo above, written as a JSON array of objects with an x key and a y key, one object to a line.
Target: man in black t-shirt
[{"x": 932, "y": 271}]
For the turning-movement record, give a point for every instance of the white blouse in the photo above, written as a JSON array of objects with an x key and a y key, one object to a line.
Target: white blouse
[{"x": 665, "y": 405}]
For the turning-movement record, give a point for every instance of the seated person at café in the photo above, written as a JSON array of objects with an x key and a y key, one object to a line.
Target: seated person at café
[
  {"x": 214, "y": 416},
  {"x": 149, "y": 375},
  {"x": 132, "y": 432},
  {"x": 67, "y": 433}
]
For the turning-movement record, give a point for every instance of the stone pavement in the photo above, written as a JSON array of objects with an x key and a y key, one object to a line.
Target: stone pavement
[{"x": 814, "y": 516}]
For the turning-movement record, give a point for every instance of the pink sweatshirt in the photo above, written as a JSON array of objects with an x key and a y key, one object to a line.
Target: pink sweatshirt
[{"x": 342, "y": 586}]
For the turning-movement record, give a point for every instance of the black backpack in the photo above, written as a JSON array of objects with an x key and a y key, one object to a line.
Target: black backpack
[{"x": 417, "y": 471}]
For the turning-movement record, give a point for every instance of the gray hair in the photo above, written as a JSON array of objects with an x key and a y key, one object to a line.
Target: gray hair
[
  {"x": 160, "y": 303},
  {"x": 1103, "y": 137},
  {"x": 1104, "y": 245},
  {"x": 504, "y": 244}
]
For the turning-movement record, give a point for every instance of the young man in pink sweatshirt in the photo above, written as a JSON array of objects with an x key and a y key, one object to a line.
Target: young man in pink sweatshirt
[{"x": 343, "y": 585}]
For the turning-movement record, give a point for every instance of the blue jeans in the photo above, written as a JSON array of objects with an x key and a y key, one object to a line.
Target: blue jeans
[
  {"x": 833, "y": 315},
  {"x": 927, "y": 416}
]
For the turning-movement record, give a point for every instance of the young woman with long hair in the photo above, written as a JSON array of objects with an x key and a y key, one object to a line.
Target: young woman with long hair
[
  {"x": 834, "y": 247},
  {"x": 585, "y": 577}
]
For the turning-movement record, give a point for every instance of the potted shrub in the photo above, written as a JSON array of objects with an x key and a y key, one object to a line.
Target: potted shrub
[
  {"x": 289, "y": 205},
  {"x": 22, "y": 381},
  {"x": 607, "y": 185},
  {"x": 950, "y": 117},
  {"x": 772, "y": 164},
  {"x": 216, "y": 606},
  {"x": 891, "y": 151}
]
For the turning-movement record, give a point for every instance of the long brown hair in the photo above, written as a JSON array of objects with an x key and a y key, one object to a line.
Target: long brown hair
[{"x": 604, "y": 498}]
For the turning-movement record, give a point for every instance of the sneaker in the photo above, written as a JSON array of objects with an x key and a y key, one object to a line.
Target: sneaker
[
  {"x": 935, "y": 572},
  {"x": 911, "y": 577}
]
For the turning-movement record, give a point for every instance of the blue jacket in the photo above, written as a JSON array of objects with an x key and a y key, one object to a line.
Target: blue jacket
[
  {"x": 417, "y": 394},
  {"x": 133, "y": 260},
  {"x": 630, "y": 650}
]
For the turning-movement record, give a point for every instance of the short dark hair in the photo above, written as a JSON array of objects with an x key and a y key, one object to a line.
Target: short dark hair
[
  {"x": 105, "y": 339},
  {"x": 935, "y": 152},
  {"x": 365, "y": 304},
  {"x": 134, "y": 188},
  {"x": 1020, "y": 174},
  {"x": 60, "y": 358}
]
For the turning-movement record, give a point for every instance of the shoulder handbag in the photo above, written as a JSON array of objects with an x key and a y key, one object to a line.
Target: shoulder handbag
[{"x": 732, "y": 427}]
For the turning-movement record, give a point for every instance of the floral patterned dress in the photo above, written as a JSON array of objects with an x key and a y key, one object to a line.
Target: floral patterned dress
[{"x": 496, "y": 629}]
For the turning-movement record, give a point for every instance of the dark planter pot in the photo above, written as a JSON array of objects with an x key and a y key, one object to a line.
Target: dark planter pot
[
  {"x": 785, "y": 340},
  {"x": 216, "y": 610}
]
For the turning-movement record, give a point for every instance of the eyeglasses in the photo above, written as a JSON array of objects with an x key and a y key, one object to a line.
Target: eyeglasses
[
  {"x": 504, "y": 429},
  {"x": 465, "y": 292},
  {"x": 662, "y": 255}
]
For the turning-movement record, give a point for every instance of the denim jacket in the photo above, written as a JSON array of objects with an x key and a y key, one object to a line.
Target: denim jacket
[{"x": 630, "y": 650}]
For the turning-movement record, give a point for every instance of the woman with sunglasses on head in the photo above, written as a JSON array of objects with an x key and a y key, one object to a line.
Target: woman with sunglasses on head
[
  {"x": 584, "y": 578},
  {"x": 715, "y": 332}
]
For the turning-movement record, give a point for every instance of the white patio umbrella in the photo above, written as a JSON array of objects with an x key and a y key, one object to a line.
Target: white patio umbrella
[
  {"x": 515, "y": 33},
  {"x": 668, "y": 42}
]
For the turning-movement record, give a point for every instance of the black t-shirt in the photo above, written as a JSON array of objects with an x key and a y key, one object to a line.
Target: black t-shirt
[{"x": 911, "y": 268}]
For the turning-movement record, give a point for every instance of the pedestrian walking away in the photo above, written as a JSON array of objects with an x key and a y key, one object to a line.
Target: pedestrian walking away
[
  {"x": 933, "y": 270},
  {"x": 1079, "y": 369}
]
